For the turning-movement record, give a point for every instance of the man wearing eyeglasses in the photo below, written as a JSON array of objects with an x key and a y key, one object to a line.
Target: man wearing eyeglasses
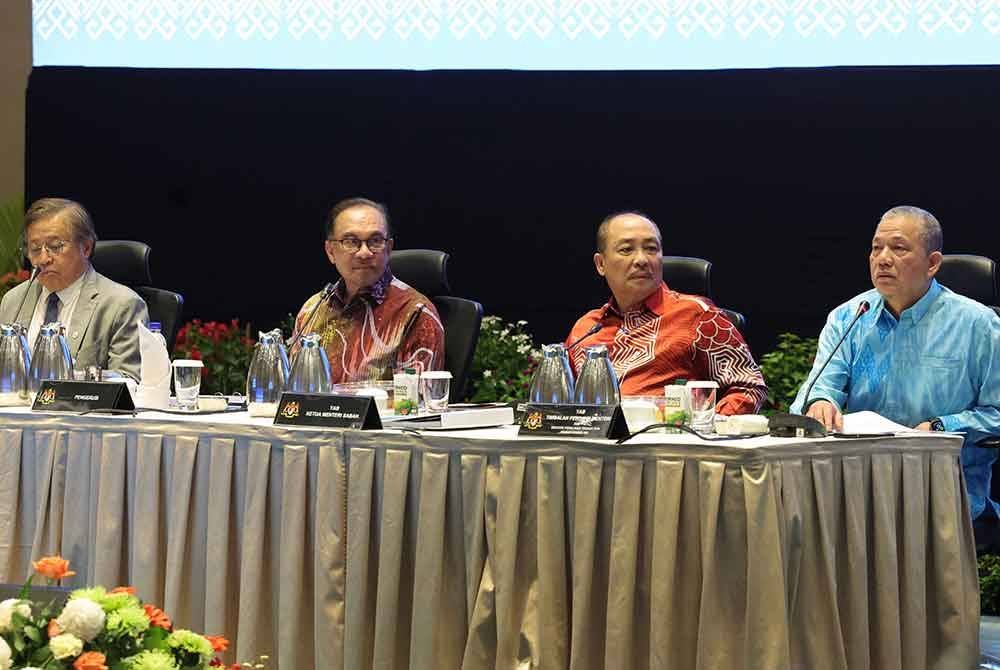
[
  {"x": 373, "y": 323},
  {"x": 99, "y": 315}
]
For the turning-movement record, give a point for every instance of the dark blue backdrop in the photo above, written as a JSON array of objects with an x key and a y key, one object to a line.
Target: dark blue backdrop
[{"x": 778, "y": 176}]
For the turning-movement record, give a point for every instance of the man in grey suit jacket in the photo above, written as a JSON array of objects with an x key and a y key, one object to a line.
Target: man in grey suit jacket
[{"x": 100, "y": 315}]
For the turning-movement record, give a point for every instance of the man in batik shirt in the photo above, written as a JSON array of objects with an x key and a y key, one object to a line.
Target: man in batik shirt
[
  {"x": 372, "y": 324},
  {"x": 655, "y": 335}
]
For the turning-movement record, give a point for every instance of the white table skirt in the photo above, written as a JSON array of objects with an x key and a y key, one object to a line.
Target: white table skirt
[{"x": 343, "y": 549}]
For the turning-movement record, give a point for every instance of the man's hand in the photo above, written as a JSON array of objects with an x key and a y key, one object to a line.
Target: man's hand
[
  {"x": 923, "y": 425},
  {"x": 827, "y": 414}
]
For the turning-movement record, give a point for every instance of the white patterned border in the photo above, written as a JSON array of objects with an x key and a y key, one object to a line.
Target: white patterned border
[{"x": 651, "y": 20}]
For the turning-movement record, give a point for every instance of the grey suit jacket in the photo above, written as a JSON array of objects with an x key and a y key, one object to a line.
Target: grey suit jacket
[{"x": 103, "y": 331}]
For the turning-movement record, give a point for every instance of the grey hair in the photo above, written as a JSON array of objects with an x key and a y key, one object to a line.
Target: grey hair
[
  {"x": 602, "y": 230},
  {"x": 930, "y": 228},
  {"x": 72, "y": 212}
]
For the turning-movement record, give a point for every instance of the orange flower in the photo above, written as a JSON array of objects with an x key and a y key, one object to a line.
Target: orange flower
[
  {"x": 157, "y": 617},
  {"x": 54, "y": 629},
  {"x": 90, "y": 660},
  {"x": 53, "y": 567},
  {"x": 219, "y": 643},
  {"x": 130, "y": 590}
]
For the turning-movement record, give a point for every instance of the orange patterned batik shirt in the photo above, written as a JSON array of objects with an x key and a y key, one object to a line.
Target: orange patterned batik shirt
[
  {"x": 387, "y": 327},
  {"x": 673, "y": 336}
]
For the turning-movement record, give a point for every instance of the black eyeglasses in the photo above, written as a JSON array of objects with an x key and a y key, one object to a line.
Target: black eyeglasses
[{"x": 375, "y": 243}]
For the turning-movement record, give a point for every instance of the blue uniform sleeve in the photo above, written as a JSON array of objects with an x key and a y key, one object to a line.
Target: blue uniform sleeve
[
  {"x": 983, "y": 419},
  {"x": 834, "y": 380}
]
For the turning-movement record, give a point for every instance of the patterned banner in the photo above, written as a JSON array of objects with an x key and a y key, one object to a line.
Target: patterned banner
[{"x": 662, "y": 27}]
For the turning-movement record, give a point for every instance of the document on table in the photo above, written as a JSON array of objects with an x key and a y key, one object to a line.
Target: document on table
[{"x": 871, "y": 422}]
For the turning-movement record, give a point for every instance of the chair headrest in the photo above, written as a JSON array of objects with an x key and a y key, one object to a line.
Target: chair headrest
[
  {"x": 426, "y": 270},
  {"x": 970, "y": 275},
  {"x": 688, "y": 275},
  {"x": 123, "y": 261}
]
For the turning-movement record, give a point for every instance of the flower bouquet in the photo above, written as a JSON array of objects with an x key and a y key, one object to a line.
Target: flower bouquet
[
  {"x": 98, "y": 630},
  {"x": 224, "y": 348},
  {"x": 504, "y": 361}
]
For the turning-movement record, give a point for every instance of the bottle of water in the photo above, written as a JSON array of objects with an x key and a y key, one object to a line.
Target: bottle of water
[{"x": 157, "y": 330}]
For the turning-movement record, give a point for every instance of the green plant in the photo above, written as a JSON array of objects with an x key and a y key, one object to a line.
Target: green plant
[
  {"x": 224, "y": 348},
  {"x": 11, "y": 219},
  {"x": 504, "y": 361},
  {"x": 989, "y": 584},
  {"x": 786, "y": 368}
]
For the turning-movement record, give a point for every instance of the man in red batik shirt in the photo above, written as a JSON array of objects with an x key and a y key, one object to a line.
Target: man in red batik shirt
[
  {"x": 655, "y": 335},
  {"x": 373, "y": 323}
]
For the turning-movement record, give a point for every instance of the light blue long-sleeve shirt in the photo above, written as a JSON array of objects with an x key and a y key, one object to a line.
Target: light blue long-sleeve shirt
[{"x": 940, "y": 359}]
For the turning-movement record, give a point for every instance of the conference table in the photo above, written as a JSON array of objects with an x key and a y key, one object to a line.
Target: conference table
[{"x": 328, "y": 548}]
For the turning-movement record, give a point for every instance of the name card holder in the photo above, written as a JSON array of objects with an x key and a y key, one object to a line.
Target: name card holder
[
  {"x": 73, "y": 396},
  {"x": 592, "y": 421},
  {"x": 327, "y": 410}
]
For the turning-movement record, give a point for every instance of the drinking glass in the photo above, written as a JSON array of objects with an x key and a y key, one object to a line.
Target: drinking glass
[
  {"x": 187, "y": 383},
  {"x": 702, "y": 399},
  {"x": 435, "y": 386}
]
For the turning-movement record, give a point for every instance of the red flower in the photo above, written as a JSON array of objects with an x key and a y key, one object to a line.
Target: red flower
[
  {"x": 195, "y": 353},
  {"x": 157, "y": 617},
  {"x": 219, "y": 643},
  {"x": 53, "y": 567}
]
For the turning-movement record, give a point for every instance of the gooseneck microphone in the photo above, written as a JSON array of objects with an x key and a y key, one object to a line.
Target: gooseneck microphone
[
  {"x": 27, "y": 289},
  {"x": 593, "y": 329},
  {"x": 323, "y": 297},
  {"x": 862, "y": 308}
]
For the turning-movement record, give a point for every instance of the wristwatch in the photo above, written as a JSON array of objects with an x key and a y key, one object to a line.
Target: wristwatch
[{"x": 936, "y": 424}]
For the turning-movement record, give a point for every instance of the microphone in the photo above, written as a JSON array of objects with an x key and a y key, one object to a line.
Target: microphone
[
  {"x": 323, "y": 297},
  {"x": 862, "y": 308},
  {"x": 34, "y": 273},
  {"x": 593, "y": 329},
  {"x": 783, "y": 424}
]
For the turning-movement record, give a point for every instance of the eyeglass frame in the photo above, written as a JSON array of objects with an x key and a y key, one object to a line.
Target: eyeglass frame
[
  {"x": 356, "y": 240},
  {"x": 48, "y": 246}
]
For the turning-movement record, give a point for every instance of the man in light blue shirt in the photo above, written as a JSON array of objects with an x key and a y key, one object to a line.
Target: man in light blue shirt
[{"x": 921, "y": 356}]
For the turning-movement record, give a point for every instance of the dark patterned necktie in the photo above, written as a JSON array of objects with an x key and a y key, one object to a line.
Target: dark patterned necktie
[{"x": 51, "y": 309}]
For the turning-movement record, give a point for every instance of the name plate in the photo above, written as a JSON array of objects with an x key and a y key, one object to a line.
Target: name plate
[
  {"x": 327, "y": 410},
  {"x": 593, "y": 421},
  {"x": 73, "y": 396}
]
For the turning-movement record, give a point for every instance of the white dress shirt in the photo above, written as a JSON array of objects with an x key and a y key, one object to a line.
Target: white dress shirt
[{"x": 68, "y": 299}]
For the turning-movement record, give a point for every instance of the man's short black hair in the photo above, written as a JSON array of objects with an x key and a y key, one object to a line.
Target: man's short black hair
[{"x": 349, "y": 203}]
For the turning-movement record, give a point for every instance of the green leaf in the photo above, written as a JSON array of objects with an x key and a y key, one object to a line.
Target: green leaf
[
  {"x": 33, "y": 634},
  {"x": 156, "y": 638}
]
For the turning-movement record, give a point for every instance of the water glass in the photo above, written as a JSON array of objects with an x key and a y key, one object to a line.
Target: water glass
[
  {"x": 435, "y": 386},
  {"x": 702, "y": 399},
  {"x": 187, "y": 383}
]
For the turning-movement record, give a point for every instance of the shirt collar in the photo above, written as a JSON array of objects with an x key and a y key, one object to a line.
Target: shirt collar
[
  {"x": 69, "y": 294},
  {"x": 917, "y": 310},
  {"x": 653, "y": 302},
  {"x": 374, "y": 294}
]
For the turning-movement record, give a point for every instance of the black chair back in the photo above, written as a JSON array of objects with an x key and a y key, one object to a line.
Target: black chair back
[
  {"x": 166, "y": 307},
  {"x": 426, "y": 270},
  {"x": 123, "y": 261},
  {"x": 461, "y": 319},
  {"x": 973, "y": 276},
  {"x": 688, "y": 275},
  {"x": 127, "y": 262},
  {"x": 694, "y": 276}
]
